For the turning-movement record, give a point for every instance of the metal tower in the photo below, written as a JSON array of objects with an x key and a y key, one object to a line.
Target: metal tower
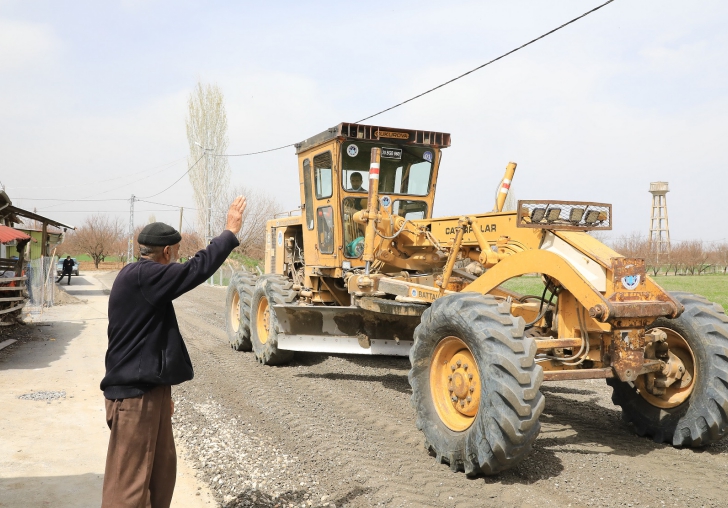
[{"x": 659, "y": 229}]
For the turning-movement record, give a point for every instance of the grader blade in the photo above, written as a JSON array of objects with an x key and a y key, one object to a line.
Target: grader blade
[{"x": 344, "y": 330}]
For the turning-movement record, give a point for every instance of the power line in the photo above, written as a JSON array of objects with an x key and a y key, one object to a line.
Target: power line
[
  {"x": 442, "y": 84},
  {"x": 113, "y": 211},
  {"x": 73, "y": 200},
  {"x": 165, "y": 204},
  {"x": 252, "y": 153},
  {"x": 490, "y": 62},
  {"x": 175, "y": 182},
  {"x": 85, "y": 184}
]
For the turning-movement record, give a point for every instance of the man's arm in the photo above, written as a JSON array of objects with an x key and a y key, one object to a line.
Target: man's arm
[{"x": 164, "y": 283}]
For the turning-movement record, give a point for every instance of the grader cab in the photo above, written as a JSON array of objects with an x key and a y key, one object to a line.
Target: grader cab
[{"x": 366, "y": 269}]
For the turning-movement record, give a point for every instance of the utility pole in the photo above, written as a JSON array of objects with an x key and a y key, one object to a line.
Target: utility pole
[
  {"x": 181, "y": 209},
  {"x": 130, "y": 246}
]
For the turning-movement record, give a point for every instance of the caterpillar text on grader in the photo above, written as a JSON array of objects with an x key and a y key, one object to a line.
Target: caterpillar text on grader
[{"x": 365, "y": 269}]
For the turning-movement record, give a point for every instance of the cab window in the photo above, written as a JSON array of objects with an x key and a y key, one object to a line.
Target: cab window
[
  {"x": 325, "y": 228},
  {"x": 411, "y": 210},
  {"x": 308, "y": 193},
  {"x": 403, "y": 169},
  {"x": 322, "y": 175}
]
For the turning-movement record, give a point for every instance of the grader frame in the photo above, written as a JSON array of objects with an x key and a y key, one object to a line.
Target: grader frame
[{"x": 371, "y": 272}]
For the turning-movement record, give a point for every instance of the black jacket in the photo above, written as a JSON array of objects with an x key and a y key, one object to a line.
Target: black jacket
[
  {"x": 68, "y": 265},
  {"x": 145, "y": 346}
]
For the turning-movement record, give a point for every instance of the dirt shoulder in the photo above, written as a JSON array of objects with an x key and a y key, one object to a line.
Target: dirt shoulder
[{"x": 53, "y": 433}]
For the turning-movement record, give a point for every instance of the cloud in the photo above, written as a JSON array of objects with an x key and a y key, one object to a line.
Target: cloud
[{"x": 25, "y": 46}]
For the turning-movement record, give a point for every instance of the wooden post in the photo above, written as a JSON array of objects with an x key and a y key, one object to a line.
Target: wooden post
[{"x": 44, "y": 239}]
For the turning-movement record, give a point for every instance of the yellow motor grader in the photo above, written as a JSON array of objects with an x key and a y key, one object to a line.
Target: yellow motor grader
[{"x": 366, "y": 269}]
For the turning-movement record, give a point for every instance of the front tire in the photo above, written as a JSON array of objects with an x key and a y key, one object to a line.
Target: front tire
[
  {"x": 696, "y": 417},
  {"x": 270, "y": 290},
  {"x": 237, "y": 321},
  {"x": 480, "y": 418}
]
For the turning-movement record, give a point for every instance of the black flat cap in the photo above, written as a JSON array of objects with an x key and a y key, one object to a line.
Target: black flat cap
[{"x": 159, "y": 233}]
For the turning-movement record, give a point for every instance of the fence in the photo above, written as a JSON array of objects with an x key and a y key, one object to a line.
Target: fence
[
  {"x": 222, "y": 276},
  {"x": 41, "y": 275}
]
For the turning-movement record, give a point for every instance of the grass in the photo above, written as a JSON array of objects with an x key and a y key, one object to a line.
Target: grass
[
  {"x": 713, "y": 287},
  {"x": 249, "y": 263},
  {"x": 87, "y": 258}
]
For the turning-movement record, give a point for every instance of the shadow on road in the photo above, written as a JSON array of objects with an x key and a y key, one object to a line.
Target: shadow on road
[{"x": 41, "y": 347}]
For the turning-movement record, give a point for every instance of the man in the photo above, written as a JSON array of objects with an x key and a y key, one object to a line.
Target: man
[
  {"x": 146, "y": 356},
  {"x": 356, "y": 181},
  {"x": 68, "y": 265}
]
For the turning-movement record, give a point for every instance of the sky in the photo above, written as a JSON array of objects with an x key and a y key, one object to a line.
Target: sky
[{"x": 93, "y": 99}]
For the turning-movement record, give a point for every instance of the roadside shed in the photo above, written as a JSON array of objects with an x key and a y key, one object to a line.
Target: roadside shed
[{"x": 26, "y": 268}]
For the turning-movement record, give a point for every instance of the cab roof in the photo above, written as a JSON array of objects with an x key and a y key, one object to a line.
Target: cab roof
[{"x": 362, "y": 132}]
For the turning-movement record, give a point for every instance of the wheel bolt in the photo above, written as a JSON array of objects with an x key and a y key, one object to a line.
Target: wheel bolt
[
  {"x": 458, "y": 363},
  {"x": 472, "y": 389},
  {"x": 468, "y": 398},
  {"x": 449, "y": 378},
  {"x": 454, "y": 398},
  {"x": 470, "y": 376},
  {"x": 452, "y": 367},
  {"x": 465, "y": 366}
]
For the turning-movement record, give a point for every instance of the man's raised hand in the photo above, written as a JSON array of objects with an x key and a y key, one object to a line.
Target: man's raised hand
[{"x": 235, "y": 215}]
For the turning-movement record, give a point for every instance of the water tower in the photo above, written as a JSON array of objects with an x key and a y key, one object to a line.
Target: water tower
[{"x": 659, "y": 229}]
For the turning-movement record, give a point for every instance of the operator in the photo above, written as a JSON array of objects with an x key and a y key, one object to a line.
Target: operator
[
  {"x": 146, "y": 356},
  {"x": 356, "y": 181},
  {"x": 68, "y": 265}
]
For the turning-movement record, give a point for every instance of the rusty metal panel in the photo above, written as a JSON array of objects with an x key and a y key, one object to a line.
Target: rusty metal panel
[
  {"x": 566, "y": 375},
  {"x": 627, "y": 352},
  {"x": 630, "y": 273}
]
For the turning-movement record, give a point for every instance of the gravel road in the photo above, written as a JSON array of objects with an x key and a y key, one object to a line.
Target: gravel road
[{"x": 332, "y": 430}]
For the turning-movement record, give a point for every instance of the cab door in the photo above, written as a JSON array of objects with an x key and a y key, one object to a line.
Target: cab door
[{"x": 321, "y": 218}]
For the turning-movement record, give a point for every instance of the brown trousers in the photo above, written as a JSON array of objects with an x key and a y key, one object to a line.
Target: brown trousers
[{"x": 141, "y": 464}]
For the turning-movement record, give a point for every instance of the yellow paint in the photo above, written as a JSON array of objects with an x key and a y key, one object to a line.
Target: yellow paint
[{"x": 455, "y": 384}]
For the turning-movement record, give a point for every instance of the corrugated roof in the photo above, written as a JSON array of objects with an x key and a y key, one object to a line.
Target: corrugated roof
[{"x": 8, "y": 234}]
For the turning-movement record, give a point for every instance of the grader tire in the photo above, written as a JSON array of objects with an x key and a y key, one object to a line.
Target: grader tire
[
  {"x": 494, "y": 429},
  {"x": 270, "y": 290},
  {"x": 237, "y": 318},
  {"x": 702, "y": 418}
]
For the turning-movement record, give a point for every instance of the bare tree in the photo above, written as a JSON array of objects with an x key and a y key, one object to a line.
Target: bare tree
[
  {"x": 260, "y": 207},
  {"x": 207, "y": 136},
  {"x": 98, "y": 237},
  {"x": 720, "y": 256},
  {"x": 190, "y": 244}
]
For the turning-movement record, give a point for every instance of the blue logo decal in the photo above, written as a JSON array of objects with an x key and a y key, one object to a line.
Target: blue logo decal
[
  {"x": 427, "y": 156},
  {"x": 630, "y": 282}
]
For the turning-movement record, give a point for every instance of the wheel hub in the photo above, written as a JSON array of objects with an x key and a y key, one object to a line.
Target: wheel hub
[
  {"x": 235, "y": 311},
  {"x": 673, "y": 384},
  {"x": 455, "y": 383},
  {"x": 262, "y": 320}
]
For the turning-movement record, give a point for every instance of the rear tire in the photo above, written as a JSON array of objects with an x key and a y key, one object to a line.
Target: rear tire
[
  {"x": 270, "y": 290},
  {"x": 499, "y": 432},
  {"x": 237, "y": 321},
  {"x": 703, "y": 418}
]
